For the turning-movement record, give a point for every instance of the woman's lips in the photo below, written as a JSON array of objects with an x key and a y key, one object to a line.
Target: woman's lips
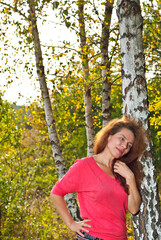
[{"x": 120, "y": 150}]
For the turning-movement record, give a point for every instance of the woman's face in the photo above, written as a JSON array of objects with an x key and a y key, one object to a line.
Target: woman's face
[{"x": 120, "y": 143}]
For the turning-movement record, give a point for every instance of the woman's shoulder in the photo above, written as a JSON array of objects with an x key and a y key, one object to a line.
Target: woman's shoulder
[
  {"x": 84, "y": 167},
  {"x": 84, "y": 161}
]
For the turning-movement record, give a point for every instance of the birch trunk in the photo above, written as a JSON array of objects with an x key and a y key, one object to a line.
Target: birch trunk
[
  {"x": 135, "y": 103},
  {"x": 50, "y": 121},
  {"x": 106, "y": 82},
  {"x": 87, "y": 89}
]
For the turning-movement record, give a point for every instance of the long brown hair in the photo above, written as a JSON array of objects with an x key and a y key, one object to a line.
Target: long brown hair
[{"x": 131, "y": 158}]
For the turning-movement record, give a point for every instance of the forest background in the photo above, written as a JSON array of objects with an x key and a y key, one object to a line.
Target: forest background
[{"x": 28, "y": 170}]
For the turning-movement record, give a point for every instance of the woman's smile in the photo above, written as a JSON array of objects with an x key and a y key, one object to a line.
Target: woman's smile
[
  {"x": 120, "y": 143},
  {"x": 121, "y": 151}
]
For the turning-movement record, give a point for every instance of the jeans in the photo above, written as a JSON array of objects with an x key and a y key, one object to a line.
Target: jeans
[{"x": 87, "y": 236}]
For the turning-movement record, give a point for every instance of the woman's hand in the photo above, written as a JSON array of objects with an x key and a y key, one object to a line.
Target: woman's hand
[
  {"x": 122, "y": 169},
  {"x": 134, "y": 199},
  {"x": 80, "y": 226},
  {"x": 61, "y": 207}
]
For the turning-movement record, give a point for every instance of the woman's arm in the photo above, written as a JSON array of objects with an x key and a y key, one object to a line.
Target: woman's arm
[
  {"x": 134, "y": 199},
  {"x": 62, "y": 209}
]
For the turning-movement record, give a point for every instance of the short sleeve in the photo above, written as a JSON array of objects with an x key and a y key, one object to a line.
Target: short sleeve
[{"x": 71, "y": 181}]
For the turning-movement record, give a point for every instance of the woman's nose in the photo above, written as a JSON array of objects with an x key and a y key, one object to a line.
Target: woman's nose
[{"x": 124, "y": 145}]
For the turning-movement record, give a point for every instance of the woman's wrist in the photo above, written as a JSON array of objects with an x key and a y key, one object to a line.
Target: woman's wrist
[
  {"x": 69, "y": 223},
  {"x": 130, "y": 179}
]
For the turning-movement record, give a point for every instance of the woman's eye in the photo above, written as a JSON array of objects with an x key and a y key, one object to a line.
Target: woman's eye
[{"x": 121, "y": 138}]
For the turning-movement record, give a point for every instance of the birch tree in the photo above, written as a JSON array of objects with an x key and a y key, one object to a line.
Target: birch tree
[
  {"x": 50, "y": 121},
  {"x": 135, "y": 103},
  {"x": 87, "y": 89},
  {"x": 106, "y": 62}
]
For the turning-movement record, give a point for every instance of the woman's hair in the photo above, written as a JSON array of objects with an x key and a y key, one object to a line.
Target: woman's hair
[{"x": 131, "y": 158}]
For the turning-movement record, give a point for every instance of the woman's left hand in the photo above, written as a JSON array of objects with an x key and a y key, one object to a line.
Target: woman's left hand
[
  {"x": 134, "y": 199},
  {"x": 122, "y": 169}
]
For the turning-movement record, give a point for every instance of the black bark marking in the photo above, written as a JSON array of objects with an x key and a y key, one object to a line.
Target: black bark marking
[
  {"x": 131, "y": 98},
  {"x": 128, "y": 8},
  {"x": 140, "y": 81},
  {"x": 52, "y": 143},
  {"x": 128, "y": 45}
]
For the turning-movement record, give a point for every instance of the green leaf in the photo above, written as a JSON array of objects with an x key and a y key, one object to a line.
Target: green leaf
[
  {"x": 68, "y": 24},
  {"x": 55, "y": 5},
  {"x": 65, "y": 12}
]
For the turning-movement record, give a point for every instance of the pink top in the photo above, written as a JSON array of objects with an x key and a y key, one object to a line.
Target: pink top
[{"x": 101, "y": 198}]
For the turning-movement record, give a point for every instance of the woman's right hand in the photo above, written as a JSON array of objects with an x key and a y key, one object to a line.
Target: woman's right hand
[
  {"x": 80, "y": 226},
  {"x": 61, "y": 207}
]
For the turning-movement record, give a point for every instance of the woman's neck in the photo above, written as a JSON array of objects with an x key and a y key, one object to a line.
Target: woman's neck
[{"x": 105, "y": 159}]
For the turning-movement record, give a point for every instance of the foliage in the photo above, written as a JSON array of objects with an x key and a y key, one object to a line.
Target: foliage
[
  {"x": 152, "y": 36},
  {"x": 154, "y": 89},
  {"x": 27, "y": 170},
  {"x": 27, "y": 167},
  {"x": 130, "y": 230}
]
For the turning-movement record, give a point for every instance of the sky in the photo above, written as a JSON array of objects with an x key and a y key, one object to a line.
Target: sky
[{"x": 23, "y": 90}]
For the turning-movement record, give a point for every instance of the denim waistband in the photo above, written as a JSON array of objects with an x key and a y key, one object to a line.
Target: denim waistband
[{"x": 87, "y": 236}]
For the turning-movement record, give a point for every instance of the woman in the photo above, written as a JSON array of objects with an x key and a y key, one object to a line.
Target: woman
[{"x": 107, "y": 184}]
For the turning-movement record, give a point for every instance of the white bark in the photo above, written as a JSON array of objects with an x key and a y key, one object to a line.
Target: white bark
[
  {"x": 50, "y": 121},
  {"x": 147, "y": 224},
  {"x": 89, "y": 120},
  {"x": 87, "y": 89},
  {"x": 105, "y": 62}
]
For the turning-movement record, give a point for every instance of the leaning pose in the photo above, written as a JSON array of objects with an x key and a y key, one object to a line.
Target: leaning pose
[{"x": 107, "y": 184}]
